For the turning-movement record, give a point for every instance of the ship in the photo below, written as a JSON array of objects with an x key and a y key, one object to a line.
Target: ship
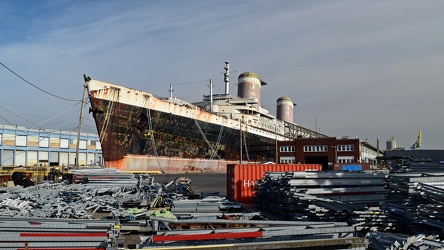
[{"x": 143, "y": 132}]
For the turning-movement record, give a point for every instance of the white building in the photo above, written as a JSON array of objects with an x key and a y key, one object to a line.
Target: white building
[{"x": 20, "y": 146}]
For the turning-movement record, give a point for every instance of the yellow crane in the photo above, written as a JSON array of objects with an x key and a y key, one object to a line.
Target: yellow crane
[{"x": 418, "y": 144}]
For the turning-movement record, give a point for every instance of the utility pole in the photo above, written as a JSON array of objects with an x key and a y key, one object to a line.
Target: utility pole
[{"x": 80, "y": 125}]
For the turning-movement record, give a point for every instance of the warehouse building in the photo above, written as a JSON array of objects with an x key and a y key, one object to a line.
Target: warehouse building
[
  {"x": 332, "y": 153},
  {"x": 20, "y": 146}
]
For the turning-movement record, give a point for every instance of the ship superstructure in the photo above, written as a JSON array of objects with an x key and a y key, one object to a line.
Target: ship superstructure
[{"x": 142, "y": 132}]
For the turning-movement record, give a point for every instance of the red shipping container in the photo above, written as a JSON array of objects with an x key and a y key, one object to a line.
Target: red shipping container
[{"x": 241, "y": 178}]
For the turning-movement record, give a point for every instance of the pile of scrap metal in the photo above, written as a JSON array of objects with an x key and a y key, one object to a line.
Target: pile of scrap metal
[
  {"x": 383, "y": 241},
  {"x": 93, "y": 191},
  {"x": 182, "y": 186},
  {"x": 54, "y": 175},
  {"x": 60, "y": 201},
  {"x": 108, "y": 195},
  {"x": 21, "y": 179}
]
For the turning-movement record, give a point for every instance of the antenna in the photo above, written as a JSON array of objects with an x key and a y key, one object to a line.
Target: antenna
[{"x": 171, "y": 90}]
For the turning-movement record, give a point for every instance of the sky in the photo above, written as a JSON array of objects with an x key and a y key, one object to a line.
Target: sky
[{"x": 357, "y": 68}]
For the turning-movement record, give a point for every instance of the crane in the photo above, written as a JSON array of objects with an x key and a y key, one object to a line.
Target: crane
[{"x": 418, "y": 144}]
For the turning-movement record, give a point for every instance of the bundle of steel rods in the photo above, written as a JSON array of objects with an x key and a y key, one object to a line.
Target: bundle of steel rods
[
  {"x": 34, "y": 233},
  {"x": 331, "y": 196}
]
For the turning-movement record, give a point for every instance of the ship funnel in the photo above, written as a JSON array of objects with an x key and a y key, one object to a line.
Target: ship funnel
[
  {"x": 285, "y": 107},
  {"x": 249, "y": 86}
]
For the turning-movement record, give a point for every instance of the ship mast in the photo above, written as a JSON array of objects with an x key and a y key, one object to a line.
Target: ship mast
[
  {"x": 227, "y": 78},
  {"x": 211, "y": 95}
]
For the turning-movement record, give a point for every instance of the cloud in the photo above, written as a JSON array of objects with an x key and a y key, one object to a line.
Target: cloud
[{"x": 363, "y": 68}]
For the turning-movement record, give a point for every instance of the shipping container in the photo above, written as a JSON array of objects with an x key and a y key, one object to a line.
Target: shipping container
[
  {"x": 352, "y": 167},
  {"x": 241, "y": 178}
]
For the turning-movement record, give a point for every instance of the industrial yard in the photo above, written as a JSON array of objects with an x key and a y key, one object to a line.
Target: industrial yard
[
  {"x": 305, "y": 209},
  {"x": 221, "y": 125}
]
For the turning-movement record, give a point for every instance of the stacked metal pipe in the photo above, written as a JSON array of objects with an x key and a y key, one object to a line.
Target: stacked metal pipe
[
  {"x": 416, "y": 201},
  {"x": 411, "y": 203},
  {"x": 34, "y": 233},
  {"x": 104, "y": 177},
  {"x": 242, "y": 232},
  {"x": 417, "y": 167},
  {"x": 372, "y": 219},
  {"x": 319, "y": 195},
  {"x": 211, "y": 204}
]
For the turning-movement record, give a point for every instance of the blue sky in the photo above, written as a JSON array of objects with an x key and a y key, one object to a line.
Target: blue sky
[{"x": 356, "y": 68}]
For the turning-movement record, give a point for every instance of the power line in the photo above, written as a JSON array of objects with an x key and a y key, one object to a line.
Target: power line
[
  {"x": 17, "y": 116},
  {"x": 184, "y": 83},
  {"x": 6, "y": 120},
  {"x": 43, "y": 123},
  {"x": 71, "y": 100}
]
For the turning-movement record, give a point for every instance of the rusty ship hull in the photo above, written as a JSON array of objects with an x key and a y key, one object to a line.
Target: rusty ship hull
[
  {"x": 139, "y": 131},
  {"x": 172, "y": 143},
  {"x": 143, "y": 138}
]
